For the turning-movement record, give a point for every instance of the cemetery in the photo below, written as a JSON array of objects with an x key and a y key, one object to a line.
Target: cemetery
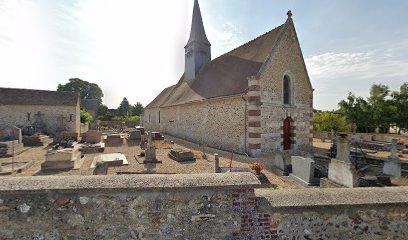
[
  {"x": 230, "y": 151},
  {"x": 136, "y": 151}
]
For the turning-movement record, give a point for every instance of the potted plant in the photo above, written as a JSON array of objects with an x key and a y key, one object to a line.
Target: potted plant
[{"x": 257, "y": 167}]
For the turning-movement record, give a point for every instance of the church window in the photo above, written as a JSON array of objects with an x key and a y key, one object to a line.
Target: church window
[
  {"x": 287, "y": 90},
  {"x": 159, "y": 116},
  {"x": 28, "y": 116},
  {"x": 71, "y": 118}
]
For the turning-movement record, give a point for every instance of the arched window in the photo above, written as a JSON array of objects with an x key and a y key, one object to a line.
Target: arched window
[{"x": 287, "y": 90}]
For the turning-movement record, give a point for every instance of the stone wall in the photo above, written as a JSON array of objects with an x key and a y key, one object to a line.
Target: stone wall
[
  {"x": 201, "y": 206},
  {"x": 127, "y": 207},
  {"x": 364, "y": 136},
  {"x": 362, "y": 213},
  {"x": 286, "y": 60},
  {"x": 217, "y": 123},
  {"x": 17, "y": 115}
]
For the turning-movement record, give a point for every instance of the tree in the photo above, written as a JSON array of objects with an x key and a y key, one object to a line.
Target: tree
[
  {"x": 108, "y": 116},
  {"x": 102, "y": 110},
  {"x": 326, "y": 121},
  {"x": 85, "y": 117},
  {"x": 85, "y": 89},
  {"x": 357, "y": 111},
  {"x": 401, "y": 105},
  {"x": 137, "y": 109},
  {"x": 382, "y": 107},
  {"x": 123, "y": 109}
]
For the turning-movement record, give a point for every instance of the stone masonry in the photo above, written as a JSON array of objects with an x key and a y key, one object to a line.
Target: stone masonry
[
  {"x": 199, "y": 206},
  {"x": 251, "y": 121}
]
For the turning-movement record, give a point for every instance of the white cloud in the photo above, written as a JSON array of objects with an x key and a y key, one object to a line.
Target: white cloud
[
  {"x": 358, "y": 65},
  {"x": 224, "y": 37},
  {"x": 335, "y": 74},
  {"x": 124, "y": 46}
]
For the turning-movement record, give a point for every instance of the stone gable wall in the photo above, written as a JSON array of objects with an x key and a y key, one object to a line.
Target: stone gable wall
[
  {"x": 217, "y": 123},
  {"x": 16, "y": 115},
  {"x": 286, "y": 59}
]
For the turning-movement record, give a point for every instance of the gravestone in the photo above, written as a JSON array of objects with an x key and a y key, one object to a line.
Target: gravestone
[
  {"x": 39, "y": 124},
  {"x": 278, "y": 161},
  {"x": 303, "y": 170},
  {"x": 157, "y": 136},
  {"x": 114, "y": 139},
  {"x": 141, "y": 129},
  {"x": 150, "y": 153},
  {"x": 135, "y": 135},
  {"x": 181, "y": 155},
  {"x": 92, "y": 137},
  {"x": 9, "y": 133},
  {"x": 10, "y": 141},
  {"x": 341, "y": 170},
  {"x": 392, "y": 165}
]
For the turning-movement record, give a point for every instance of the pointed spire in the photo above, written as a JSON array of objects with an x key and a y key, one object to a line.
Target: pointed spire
[{"x": 197, "y": 33}]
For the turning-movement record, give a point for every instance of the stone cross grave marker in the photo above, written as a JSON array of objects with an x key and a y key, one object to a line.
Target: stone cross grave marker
[{"x": 150, "y": 150}]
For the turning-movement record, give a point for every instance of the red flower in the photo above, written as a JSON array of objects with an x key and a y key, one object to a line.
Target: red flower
[{"x": 257, "y": 167}]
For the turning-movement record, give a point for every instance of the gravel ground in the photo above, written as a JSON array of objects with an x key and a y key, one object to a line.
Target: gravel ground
[{"x": 168, "y": 166}]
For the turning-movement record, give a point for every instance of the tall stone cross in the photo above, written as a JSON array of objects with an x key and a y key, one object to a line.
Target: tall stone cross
[
  {"x": 394, "y": 150},
  {"x": 39, "y": 114},
  {"x": 343, "y": 149}
]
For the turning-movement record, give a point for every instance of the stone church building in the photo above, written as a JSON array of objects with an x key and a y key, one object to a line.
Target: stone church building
[
  {"x": 256, "y": 99},
  {"x": 48, "y": 111}
]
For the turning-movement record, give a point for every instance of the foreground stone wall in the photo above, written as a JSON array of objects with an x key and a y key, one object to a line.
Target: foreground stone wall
[
  {"x": 18, "y": 116},
  {"x": 217, "y": 123},
  {"x": 128, "y": 207},
  {"x": 363, "y": 213},
  {"x": 202, "y": 206}
]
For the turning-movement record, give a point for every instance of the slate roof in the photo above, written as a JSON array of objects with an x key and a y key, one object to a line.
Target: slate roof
[
  {"x": 197, "y": 33},
  {"x": 13, "y": 96},
  {"x": 223, "y": 76}
]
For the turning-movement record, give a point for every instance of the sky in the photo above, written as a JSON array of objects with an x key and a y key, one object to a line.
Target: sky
[{"x": 134, "y": 48}]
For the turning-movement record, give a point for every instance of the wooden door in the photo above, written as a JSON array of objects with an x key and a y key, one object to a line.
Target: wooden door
[{"x": 286, "y": 134}]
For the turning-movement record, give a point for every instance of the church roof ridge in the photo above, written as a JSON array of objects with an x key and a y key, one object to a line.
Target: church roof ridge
[{"x": 253, "y": 40}]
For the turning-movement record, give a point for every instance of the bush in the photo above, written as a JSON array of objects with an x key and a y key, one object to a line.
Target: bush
[{"x": 86, "y": 117}]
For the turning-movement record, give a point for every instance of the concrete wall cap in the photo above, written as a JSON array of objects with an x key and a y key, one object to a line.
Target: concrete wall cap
[
  {"x": 333, "y": 197},
  {"x": 132, "y": 182}
]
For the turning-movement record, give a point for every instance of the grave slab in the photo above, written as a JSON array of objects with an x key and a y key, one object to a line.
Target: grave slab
[
  {"x": 111, "y": 160},
  {"x": 181, "y": 155}
]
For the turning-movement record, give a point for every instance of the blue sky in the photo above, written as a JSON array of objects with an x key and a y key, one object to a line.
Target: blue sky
[{"x": 134, "y": 48}]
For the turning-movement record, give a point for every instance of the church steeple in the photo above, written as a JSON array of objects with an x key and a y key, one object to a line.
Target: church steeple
[{"x": 198, "y": 48}]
